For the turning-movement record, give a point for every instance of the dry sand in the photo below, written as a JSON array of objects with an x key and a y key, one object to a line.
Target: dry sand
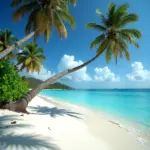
[{"x": 55, "y": 125}]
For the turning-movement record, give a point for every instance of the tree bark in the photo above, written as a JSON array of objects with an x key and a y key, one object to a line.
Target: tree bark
[
  {"x": 19, "y": 43},
  {"x": 21, "y": 104}
]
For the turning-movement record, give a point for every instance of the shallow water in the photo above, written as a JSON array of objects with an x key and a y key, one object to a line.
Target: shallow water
[{"x": 130, "y": 107}]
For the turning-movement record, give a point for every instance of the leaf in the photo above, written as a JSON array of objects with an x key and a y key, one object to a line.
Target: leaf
[
  {"x": 97, "y": 41},
  {"x": 47, "y": 33},
  {"x": 11, "y": 85},
  {"x": 108, "y": 55},
  {"x": 102, "y": 47},
  {"x": 129, "y": 18},
  {"x": 95, "y": 26},
  {"x": 132, "y": 32}
]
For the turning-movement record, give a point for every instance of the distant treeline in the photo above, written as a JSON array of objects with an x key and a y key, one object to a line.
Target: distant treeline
[{"x": 32, "y": 83}]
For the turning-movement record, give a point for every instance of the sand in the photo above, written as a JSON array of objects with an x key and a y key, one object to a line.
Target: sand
[{"x": 55, "y": 125}]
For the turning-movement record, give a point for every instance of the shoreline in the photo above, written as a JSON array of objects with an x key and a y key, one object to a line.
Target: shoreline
[
  {"x": 65, "y": 126},
  {"x": 128, "y": 126}
]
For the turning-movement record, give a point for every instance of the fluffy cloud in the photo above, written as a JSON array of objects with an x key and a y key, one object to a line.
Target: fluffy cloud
[
  {"x": 68, "y": 62},
  {"x": 138, "y": 72},
  {"x": 42, "y": 75},
  {"x": 105, "y": 74}
]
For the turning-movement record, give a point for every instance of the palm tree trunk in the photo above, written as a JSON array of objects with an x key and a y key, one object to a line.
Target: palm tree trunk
[
  {"x": 19, "y": 43},
  {"x": 21, "y": 104}
]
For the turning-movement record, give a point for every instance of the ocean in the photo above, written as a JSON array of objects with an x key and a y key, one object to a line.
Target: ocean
[{"x": 130, "y": 108}]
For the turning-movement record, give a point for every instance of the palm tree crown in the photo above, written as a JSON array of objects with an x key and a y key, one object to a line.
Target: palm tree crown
[
  {"x": 43, "y": 14},
  {"x": 30, "y": 58},
  {"x": 6, "y": 40},
  {"x": 114, "y": 38}
]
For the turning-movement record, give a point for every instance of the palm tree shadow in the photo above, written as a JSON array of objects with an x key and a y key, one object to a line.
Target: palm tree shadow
[
  {"x": 9, "y": 140},
  {"x": 55, "y": 111},
  {"x": 31, "y": 142},
  {"x": 6, "y": 127},
  {"x": 5, "y": 123}
]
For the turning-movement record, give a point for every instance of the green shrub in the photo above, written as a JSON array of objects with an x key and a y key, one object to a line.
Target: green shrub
[{"x": 12, "y": 86}]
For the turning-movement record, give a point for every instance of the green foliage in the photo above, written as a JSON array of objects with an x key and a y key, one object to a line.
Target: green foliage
[
  {"x": 114, "y": 37},
  {"x": 31, "y": 58},
  {"x": 32, "y": 83},
  {"x": 43, "y": 15},
  {"x": 12, "y": 86},
  {"x": 59, "y": 85},
  {"x": 6, "y": 40}
]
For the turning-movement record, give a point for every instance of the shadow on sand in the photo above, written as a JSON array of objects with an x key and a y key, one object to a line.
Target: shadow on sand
[
  {"x": 26, "y": 142},
  {"x": 5, "y": 123},
  {"x": 55, "y": 111},
  {"x": 11, "y": 141}
]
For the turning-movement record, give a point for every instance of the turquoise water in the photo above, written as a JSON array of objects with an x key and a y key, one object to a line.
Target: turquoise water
[
  {"x": 129, "y": 108},
  {"x": 132, "y": 105}
]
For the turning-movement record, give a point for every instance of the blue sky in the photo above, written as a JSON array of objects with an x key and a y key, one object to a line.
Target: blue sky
[{"x": 76, "y": 49}]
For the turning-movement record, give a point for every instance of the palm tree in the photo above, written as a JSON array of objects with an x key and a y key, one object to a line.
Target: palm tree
[
  {"x": 113, "y": 41},
  {"x": 114, "y": 37},
  {"x": 30, "y": 58},
  {"x": 6, "y": 40},
  {"x": 42, "y": 16}
]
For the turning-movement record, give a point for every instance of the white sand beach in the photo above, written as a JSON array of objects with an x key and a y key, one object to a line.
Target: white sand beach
[{"x": 55, "y": 125}]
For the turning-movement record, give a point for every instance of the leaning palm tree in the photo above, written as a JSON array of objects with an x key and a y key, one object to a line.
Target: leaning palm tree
[
  {"x": 114, "y": 36},
  {"x": 7, "y": 39},
  {"x": 113, "y": 40},
  {"x": 42, "y": 16},
  {"x": 30, "y": 58}
]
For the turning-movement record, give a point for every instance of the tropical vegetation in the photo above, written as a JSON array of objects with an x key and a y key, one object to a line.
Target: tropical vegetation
[
  {"x": 42, "y": 16},
  {"x": 33, "y": 82},
  {"x": 113, "y": 39},
  {"x": 12, "y": 86},
  {"x": 30, "y": 58},
  {"x": 7, "y": 39}
]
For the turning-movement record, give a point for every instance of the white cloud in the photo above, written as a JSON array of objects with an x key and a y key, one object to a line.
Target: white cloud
[
  {"x": 68, "y": 62},
  {"x": 42, "y": 75},
  {"x": 105, "y": 74},
  {"x": 138, "y": 72}
]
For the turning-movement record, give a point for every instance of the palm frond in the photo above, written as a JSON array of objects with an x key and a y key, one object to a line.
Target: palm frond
[
  {"x": 127, "y": 55},
  {"x": 97, "y": 40},
  {"x": 108, "y": 55},
  {"x": 30, "y": 24},
  {"x": 21, "y": 11},
  {"x": 124, "y": 49},
  {"x": 96, "y": 26},
  {"x": 102, "y": 46},
  {"x": 6, "y": 40},
  {"x": 129, "y": 39},
  {"x": 116, "y": 36},
  {"x": 122, "y": 8},
  {"x": 43, "y": 15},
  {"x": 59, "y": 25},
  {"x": 66, "y": 16},
  {"x": 47, "y": 33},
  {"x": 129, "y": 18},
  {"x": 31, "y": 57},
  {"x": 132, "y": 32},
  {"x": 103, "y": 19},
  {"x": 111, "y": 13}
]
